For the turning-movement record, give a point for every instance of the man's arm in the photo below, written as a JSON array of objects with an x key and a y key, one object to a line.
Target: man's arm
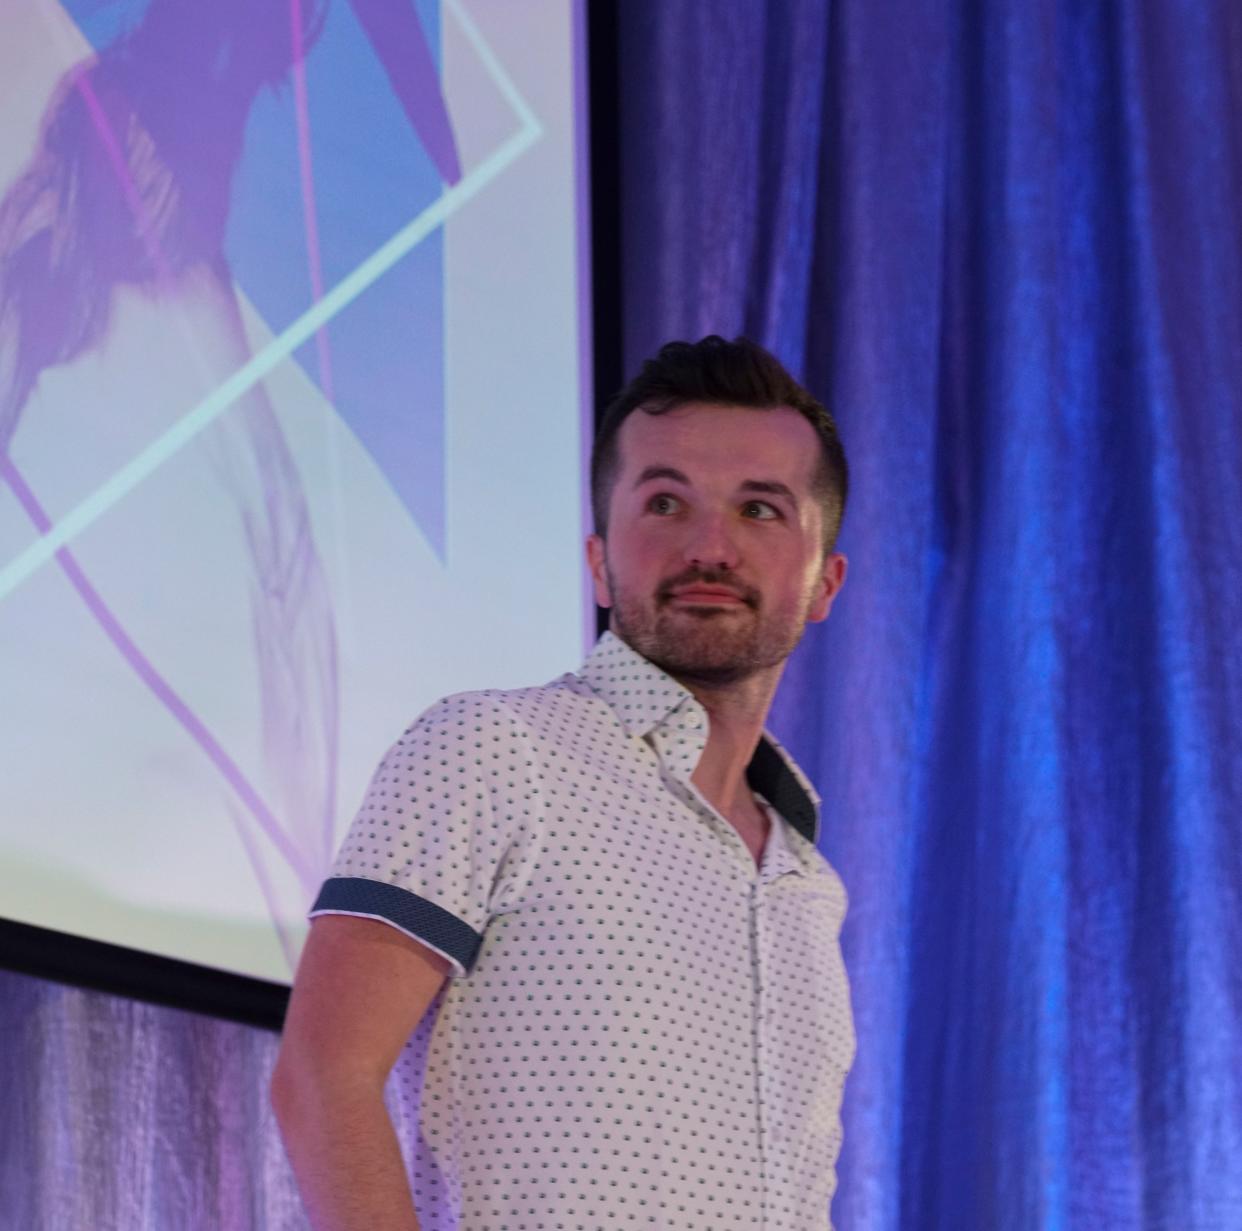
[{"x": 361, "y": 988}]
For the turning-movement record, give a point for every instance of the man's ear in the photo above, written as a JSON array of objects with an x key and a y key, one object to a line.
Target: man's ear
[
  {"x": 597, "y": 562},
  {"x": 831, "y": 579}
]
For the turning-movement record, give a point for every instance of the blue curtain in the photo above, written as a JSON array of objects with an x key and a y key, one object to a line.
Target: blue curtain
[{"x": 1003, "y": 241}]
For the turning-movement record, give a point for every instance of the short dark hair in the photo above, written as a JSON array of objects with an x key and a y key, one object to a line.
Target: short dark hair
[{"x": 720, "y": 373}]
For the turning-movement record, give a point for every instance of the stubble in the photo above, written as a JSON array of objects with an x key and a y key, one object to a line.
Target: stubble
[{"x": 714, "y": 646}]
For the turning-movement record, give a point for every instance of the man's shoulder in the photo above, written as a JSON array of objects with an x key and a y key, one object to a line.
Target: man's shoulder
[{"x": 535, "y": 711}]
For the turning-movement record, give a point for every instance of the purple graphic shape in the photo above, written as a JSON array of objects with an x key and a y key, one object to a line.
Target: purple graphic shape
[
  {"x": 372, "y": 174},
  {"x": 145, "y": 222},
  {"x": 397, "y": 35},
  {"x": 294, "y": 633},
  {"x": 130, "y": 183}
]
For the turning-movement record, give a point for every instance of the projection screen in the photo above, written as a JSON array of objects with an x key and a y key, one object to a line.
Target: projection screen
[{"x": 292, "y": 338}]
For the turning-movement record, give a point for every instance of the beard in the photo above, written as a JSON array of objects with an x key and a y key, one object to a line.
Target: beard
[{"x": 708, "y": 645}]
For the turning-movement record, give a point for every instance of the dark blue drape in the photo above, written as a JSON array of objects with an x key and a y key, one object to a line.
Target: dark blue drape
[{"x": 1003, "y": 240}]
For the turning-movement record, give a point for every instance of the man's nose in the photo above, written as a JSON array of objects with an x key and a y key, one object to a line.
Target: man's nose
[{"x": 711, "y": 543}]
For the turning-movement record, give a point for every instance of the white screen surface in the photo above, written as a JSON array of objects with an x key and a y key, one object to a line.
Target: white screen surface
[{"x": 291, "y": 427}]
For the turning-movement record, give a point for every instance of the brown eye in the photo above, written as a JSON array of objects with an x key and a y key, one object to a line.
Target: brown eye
[
  {"x": 663, "y": 504},
  {"x": 759, "y": 510}
]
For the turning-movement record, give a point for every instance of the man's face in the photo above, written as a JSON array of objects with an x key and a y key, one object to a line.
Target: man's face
[{"x": 714, "y": 561}]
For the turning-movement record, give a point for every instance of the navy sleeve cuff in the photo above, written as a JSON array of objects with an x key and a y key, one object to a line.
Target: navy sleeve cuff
[{"x": 425, "y": 921}]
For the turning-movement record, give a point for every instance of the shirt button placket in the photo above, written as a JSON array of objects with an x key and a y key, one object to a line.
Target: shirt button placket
[{"x": 760, "y": 1041}]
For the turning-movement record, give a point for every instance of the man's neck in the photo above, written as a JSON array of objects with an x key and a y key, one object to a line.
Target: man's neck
[{"x": 736, "y": 714}]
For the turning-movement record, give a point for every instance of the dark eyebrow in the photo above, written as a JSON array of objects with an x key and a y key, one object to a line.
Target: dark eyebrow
[
  {"x": 661, "y": 472},
  {"x": 771, "y": 487}
]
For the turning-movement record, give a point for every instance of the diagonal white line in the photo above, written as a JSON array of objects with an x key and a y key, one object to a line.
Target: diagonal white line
[
  {"x": 89, "y": 510},
  {"x": 504, "y": 83}
]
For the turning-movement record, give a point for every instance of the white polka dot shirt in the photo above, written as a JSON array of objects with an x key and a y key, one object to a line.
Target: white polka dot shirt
[{"x": 642, "y": 1029}]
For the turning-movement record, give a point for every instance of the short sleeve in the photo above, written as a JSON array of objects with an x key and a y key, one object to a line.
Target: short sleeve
[{"x": 437, "y": 827}]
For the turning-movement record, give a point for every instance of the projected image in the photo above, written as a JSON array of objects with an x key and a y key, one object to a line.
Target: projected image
[{"x": 289, "y": 407}]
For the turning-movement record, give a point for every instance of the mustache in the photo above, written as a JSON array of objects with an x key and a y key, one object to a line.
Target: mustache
[{"x": 707, "y": 577}]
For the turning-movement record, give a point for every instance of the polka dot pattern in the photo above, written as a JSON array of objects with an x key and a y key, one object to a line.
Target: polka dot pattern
[{"x": 653, "y": 1032}]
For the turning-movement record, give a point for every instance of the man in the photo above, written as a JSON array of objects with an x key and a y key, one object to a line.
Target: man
[{"x": 608, "y": 886}]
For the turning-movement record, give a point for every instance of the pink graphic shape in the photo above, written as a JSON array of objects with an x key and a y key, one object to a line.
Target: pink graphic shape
[{"x": 306, "y": 173}]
